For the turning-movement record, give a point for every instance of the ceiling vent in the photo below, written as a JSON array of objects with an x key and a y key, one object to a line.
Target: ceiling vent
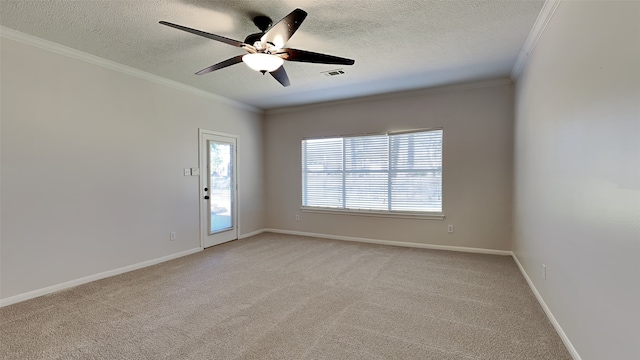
[{"x": 335, "y": 72}]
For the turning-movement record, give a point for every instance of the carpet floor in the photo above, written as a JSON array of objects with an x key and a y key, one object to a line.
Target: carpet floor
[{"x": 276, "y": 296}]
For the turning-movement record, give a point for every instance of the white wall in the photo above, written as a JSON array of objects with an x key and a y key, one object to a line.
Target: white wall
[
  {"x": 92, "y": 165},
  {"x": 477, "y": 165},
  {"x": 577, "y": 174}
]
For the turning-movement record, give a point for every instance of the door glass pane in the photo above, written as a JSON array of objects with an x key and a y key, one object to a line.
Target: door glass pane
[{"x": 221, "y": 185}]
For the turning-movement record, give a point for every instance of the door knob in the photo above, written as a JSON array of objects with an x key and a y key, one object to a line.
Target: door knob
[{"x": 206, "y": 197}]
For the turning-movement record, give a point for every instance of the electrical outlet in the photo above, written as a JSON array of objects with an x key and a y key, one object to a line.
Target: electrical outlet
[
  {"x": 187, "y": 172},
  {"x": 450, "y": 229},
  {"x": 544, "y": 271},
  {"x": 172, "y": 235},
  {"x": 297, "y": 217}
]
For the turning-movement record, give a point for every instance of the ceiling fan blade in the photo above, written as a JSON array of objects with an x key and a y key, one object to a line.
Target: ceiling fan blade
[
  {"x": 312, "y": 57},
  {"x": 205, "y": 34},
  {"x": 220, "y": 65},
  {"x": 281, "y": 32},
  {"x": 281, "y": 75}
]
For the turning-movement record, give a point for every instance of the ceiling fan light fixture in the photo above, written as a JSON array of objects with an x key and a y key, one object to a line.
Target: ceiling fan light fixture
[
  {"x": 267, "y": 53},
  {"x": 263, "y": 62}
]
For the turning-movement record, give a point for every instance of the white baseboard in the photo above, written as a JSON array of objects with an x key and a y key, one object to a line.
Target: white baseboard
[
  {"x": 394, "y": 243},
  {"x": 253, "y": 233},
  {"x": 554, "y": 322},
  {"x": 69, "y": 284}
]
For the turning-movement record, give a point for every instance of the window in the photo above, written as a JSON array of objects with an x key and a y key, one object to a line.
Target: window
[{"x": 397, "y": 173}]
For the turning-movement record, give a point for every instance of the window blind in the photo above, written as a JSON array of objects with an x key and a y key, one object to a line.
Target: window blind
[{"x": 388, "y": 173}]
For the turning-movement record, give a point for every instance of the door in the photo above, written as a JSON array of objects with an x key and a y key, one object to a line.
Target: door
[{"x": 218, "y": 189}]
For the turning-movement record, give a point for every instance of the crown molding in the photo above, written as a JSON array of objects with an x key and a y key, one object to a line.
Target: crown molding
[
  {"x": 546, "y": 13},
  {"x": 395, "y": 95},
  {"x": 112, "y": 65}
]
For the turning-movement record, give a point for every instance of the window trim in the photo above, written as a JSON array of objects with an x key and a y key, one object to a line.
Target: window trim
[{"x": 423, "y": 215}]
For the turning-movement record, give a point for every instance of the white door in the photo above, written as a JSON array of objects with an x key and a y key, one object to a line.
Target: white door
[{"x": 218, "y": 190}]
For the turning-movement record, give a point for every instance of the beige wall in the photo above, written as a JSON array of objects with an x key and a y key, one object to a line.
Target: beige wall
[
  {"x": 577, "y": 174},
  {"x": 92, "y": 165},
  {"x": 477, "y": 165}
]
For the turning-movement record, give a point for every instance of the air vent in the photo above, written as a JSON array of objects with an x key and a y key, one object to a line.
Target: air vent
[{"x": 335, "y": 72}]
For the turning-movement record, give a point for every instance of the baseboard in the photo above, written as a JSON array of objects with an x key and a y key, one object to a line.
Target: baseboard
[
  {"x": 554, "y": 322},
  {"x": 253, "y": 233},
  {"x": 394, "y": 243},
  {"x": 69, "y": 284}
]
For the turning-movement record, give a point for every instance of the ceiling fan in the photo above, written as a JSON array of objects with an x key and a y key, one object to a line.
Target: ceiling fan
[{"x": 266, "y": 51}]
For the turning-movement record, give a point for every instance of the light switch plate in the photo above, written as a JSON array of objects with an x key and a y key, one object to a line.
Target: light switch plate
[
  {"x": 195, "y": 171},
  {"x": 187, "y": 171}
]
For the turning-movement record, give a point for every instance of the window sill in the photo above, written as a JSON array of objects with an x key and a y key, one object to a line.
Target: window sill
[{"x": 399, "y": 214}]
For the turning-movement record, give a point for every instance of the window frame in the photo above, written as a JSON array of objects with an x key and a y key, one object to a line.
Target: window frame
[{"x": 427, "y": 215}]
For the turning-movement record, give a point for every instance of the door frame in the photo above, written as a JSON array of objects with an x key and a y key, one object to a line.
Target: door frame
[{"x": 202, "y": 181}]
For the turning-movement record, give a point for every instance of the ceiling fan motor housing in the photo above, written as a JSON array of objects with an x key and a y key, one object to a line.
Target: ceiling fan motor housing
[
  {"x": 262, "y": 22},
  {"x": 253, "y": 38}
]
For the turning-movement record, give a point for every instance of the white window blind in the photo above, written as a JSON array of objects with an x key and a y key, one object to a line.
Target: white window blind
[{"x": 382, "y": 173}]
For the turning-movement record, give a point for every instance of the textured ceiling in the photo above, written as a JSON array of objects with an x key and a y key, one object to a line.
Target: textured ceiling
[{"x": 397, "y": 45}]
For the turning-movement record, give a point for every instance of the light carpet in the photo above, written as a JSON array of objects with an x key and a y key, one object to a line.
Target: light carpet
[{"x": 276, "y": 296}]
